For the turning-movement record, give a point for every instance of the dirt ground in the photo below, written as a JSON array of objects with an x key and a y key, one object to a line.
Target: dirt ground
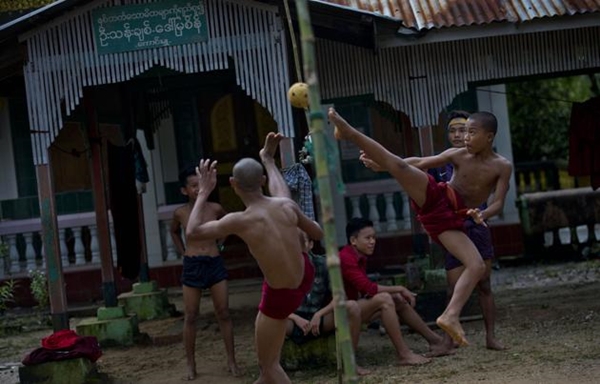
[{"x": 549, "y": 316}]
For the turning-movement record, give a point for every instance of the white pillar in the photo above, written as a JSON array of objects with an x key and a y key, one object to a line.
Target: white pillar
[
  {"x": 355, "y": 202},
  {"x": 13, "y": 253},
  {"x": 373, "y": 212},
  {"x": 79, "y": 248},
  {"x": 390, "y": 212},
  {"x": 405, "y": 210},
  {"x": 94, "y": 247},
  {"x": 493, "y": 99},
  {"x": 113, "y": 243},
  {"x": 29, "y": 251},
  {"x": 149, "y": 204},
  {"x": 64, "y": 251},
  {"x": 171, "y": 252}
]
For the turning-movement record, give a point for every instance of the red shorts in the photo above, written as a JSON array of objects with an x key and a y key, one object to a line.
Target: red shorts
[
  {"x": 280, "y": 303},
  {"x": 443, "y": 210}
]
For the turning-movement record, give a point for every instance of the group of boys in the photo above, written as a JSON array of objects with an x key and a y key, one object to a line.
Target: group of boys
[{"x": 295, "y": 299}]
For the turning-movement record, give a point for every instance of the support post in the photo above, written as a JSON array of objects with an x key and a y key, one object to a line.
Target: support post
[
  {"x": 51, "y": 246},
  {"x": 109, "y": 290}
]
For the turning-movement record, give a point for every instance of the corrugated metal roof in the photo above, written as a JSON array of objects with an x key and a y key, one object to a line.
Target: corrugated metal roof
[{"x": 428, "y": 14}]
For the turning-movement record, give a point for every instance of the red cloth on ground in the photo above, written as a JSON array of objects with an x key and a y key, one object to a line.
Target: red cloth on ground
[
  {"x": 63, "y": 339},
  {"x": 354, "y": 273},
  {"x": 82, "y": 346},
  {"x": 584, "y": 140},
  {"x": 443, "y": 210},
  {"x": 280, "y": 303}
]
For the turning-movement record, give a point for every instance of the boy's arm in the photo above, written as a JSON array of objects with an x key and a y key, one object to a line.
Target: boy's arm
[
  {"x": 197, "y": 228},
  {"x": 403, "y": 291},
  {"x": 175, "y": 232},
  {"x": 422, "y": 163},
  {"x": 312, "y": 229},
  {"x": 500, "y": 191},
  {"x": 428, "y": 162}
]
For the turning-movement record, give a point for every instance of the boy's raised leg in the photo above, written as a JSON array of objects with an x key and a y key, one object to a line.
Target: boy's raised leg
[
  {"x": 413, "y": 180},
  {"x": 277, "y": 185}
]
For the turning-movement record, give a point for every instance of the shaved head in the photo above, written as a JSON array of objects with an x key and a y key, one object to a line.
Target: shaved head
[{"x": 248, "y": 174}]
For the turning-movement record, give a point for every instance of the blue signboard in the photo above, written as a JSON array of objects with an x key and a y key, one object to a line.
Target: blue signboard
[{"x": 151, "y": 25}]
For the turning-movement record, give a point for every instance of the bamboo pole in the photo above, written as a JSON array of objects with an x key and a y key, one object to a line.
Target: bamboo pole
[{"x": 347, "y": 373}]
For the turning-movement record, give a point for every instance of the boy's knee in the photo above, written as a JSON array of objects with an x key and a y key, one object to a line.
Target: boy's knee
[
  {"x": 191, "y": 317},
  {"x": 222, "y": 313},
  {"x": 384, "y": 299},
  {"x": 353, "y": 309}
]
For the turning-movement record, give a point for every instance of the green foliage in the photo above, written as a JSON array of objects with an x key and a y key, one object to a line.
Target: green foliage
[
  {"x": 539, "y": 113},
  {"x": 7, "y": 294},
  {"x": 39, "y": 287}
]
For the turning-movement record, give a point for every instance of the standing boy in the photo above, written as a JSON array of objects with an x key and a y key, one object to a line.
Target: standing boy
[
  {"x": 203, "y": 268},
  {"x": 269, "y": 226},
  {"x": 479, "y": 234},
  {"x": 442, "y": 208}
]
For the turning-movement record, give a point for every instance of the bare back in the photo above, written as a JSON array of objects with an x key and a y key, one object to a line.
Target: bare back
[
  {"x": 194, "y": 247},
  {"x": 269, "y": 227},
  {"x": 476, "y": 176}
]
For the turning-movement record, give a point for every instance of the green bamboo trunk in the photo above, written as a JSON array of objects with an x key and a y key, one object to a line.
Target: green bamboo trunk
[{"x": 347, "y": 373}]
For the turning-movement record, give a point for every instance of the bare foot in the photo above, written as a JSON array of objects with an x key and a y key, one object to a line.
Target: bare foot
[
  {"x": 495, "y": 345},
  {"x": 267, "y": 153},
  {"x": 360, "y": 371},
  {"x": 191, "y": 374},
  {"x": 340, "y": 125},
  {"x": 443, "y": 348},
  {"x": 454, "y": 329},
  {"x": 413, "y": 359},
  {"x": 235, "y": 370}
]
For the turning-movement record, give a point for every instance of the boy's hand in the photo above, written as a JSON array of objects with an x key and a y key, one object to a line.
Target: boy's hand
[
  {"x": 207, "y": 176},
  {"x": 315, "y": 322},
  {"x": 303, "y": 324},
  {"x": 477, "y": 216},
  {"x": 408, "y": 296}
]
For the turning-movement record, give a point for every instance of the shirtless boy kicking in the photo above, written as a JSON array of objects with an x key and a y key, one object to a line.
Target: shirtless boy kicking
[
  {"x": 269, "y": 226},
  {"x": 203, "y": 268},
  {"x": 442, "y": 208}
]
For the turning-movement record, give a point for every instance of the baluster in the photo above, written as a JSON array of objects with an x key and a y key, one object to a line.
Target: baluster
[
  {"x": 373, "y": 212},
  {"x": 40, "y": 258},
  {"x": 94, "y": 248},
  {"x": 405, "y": 210},
  {"x": 13, "y": 253},
  {"x": 355, "y": 202},
  {"x": 597, "y": 231},
  {"x": 29, "y": 252},
  {"x": 548, "y": 239},
  {"x": 564, "y": 234},
  {"x": 79, "y": 247},
  {"x": 62, "y": 243},
  {"x": 390, "y": 212},
  {"x": 169, "y": 245},
  {"x": 582, "y": 233}
]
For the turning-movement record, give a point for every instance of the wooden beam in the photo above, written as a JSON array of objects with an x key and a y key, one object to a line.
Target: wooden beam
[{"x": 51, "y": 246}]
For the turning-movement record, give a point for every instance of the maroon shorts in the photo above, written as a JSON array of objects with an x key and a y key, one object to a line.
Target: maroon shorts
[
  {"x": 280, "y": 303},
  {"x": 443, "y": 210}
]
